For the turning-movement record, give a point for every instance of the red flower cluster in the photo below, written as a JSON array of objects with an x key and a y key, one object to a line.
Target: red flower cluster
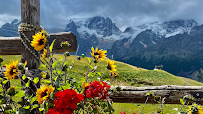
[
  {"x": 97, "y": 89},
  {"x": 65, "y": 102},
  {"x": 124, "y": 113}
]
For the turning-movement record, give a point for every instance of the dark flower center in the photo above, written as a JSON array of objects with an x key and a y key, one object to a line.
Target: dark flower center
[
  {"x": 12, "y": 71},
  {"x": 96, "y": 53},
  {"x": 44, "y": 93},
  {"x": 108, "y": 67},
  {"x": 41, "y": 42}
]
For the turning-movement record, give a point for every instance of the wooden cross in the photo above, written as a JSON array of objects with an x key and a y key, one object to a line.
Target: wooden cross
[{"x": 30, "y": 14}]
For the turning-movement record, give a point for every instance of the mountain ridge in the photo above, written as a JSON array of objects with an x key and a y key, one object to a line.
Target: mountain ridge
[{"x": 152, "y": 41}]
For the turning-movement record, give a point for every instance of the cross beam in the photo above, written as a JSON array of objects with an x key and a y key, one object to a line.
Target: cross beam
[
  {"x": 30, "y": 14},
  {"x": 12, "y": 45}
]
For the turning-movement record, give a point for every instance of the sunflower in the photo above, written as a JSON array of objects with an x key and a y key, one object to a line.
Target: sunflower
[
  {"x": 114, "y": 74},
  {"x": 39, "y": 41},
  {"x": 44, "y": 54},
  {"x": 12, "y": 70},
  {"x": 98, "y": 54},
  {"x": 43, "y": 93},
  {"x": 195, "y": 109},
  {"x": 111, "y": 66},
  {"x": 84, "y": 85}
]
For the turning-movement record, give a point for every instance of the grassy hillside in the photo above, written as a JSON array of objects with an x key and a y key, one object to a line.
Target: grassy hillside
[{"x": 128, "y": 75}]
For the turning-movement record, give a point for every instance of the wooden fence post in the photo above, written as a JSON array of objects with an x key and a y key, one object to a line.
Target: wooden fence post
[{"x": 30, "y": 14}]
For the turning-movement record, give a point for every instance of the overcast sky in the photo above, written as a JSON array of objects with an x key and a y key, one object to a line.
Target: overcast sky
[{"x": 122, "y": 12}]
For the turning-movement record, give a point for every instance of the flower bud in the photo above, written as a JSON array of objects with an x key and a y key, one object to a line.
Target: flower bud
[
  {"x": 11, "y": 91},
  {"x": 95, "y": 61},
  {"x": 85, "y": 74},
  {"x": 64, "y": 68},
  {"x": 65, "y": 44},
  {"x": 20, "y": 66},
  {"x": 66, "y": 54},
  {"x": 83, "y": 55},
  {"x": 150, "y": 94},
  {"x": 157, "y": 98},
  {"x": 78, "y": 57}
]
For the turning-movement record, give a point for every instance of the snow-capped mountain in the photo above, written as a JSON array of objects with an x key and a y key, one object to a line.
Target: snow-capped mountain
[
  {"x": 148, "y": 42},
  {"x": 164, "y": 29},
  {"x": 106, "y": 34}
]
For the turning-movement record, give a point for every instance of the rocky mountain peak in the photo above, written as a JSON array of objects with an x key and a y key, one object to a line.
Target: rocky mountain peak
[{"x": 103, "y": 26}]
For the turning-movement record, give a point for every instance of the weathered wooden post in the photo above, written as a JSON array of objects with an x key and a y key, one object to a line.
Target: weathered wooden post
[{"x": 30, "y": 14}]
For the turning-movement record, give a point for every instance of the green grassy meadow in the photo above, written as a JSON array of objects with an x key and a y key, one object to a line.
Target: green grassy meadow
[{"x": 128, "y": 75}]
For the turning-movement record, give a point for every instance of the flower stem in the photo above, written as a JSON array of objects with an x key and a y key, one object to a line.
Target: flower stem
[
  {"x": 182, "y": 106},
  {"x": 102, "y": 74},
  {"x": 187, "y": 105},
  {"x": 144, "y": 105},
  {"x": 88, "y": 70},
  {"x": 70, "y": 70}
]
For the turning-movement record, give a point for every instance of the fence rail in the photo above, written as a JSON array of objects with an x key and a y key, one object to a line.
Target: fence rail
[{"x": 172, "y": 93}]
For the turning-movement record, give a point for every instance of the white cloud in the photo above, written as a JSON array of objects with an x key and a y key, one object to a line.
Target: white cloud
[
  {"x": 123, "y": 13},
  {"x": 7, "y": 19}
]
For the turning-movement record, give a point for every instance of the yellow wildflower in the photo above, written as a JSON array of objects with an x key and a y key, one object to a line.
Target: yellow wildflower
[
  {"x": 44, "y": 54},
  {"x": 39, "y": 41},
  {"x": 43, "y": 93},
  {"x": 111, "y": 66},
  {"x": 98, "y": 54},
  {"x": 84, "y": 85},
  {"x": 195, "y": 109},
  {"x": 12, "y": 70}
]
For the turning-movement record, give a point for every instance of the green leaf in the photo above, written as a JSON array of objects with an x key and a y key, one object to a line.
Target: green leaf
[
  {"x": 20, "y": 94},
  {"x": 66, "y": 86},
  {"x": 59, "y": 72},
  {"x": 24, "y": 77},
  {"x": 36, "y": 80},
  {"x": 88, "y": 59},
  {"x": 26, "y": 107},
  {"x": 2, "y": 101},
  {"x": 19, "y": 87},
  {"x": 27, "y": 84},
  {"x": 21, "y": 110},
  {"x": 98, "y": 73},
  {"x": 30, "y": 96},
  {"x": 60, "y": 89},
  {"x": 51, "y": 46},
  {"x": 181, "y": 101},
  {"x": 42, "y": 66},
  {"x": 9, "y": 111},
  {"x": 41, "y": 109},
  {"x": 82, "y": 80},
  {"x": 54, "y": 64},
  {"x": 72, "y": 61},
  {"x": 92, "y": 74},
  {"x": 47, "y": 81},
  {"x": 33, "y": 100},
  {"x": 65, "y": 63},
  {"x": 35, "y": 106},
  {"x": 91, "y": 67},
  {"x": 1, "y": 97},
  {"x": 5, "y": 81},
  {"x": 57, "y": 82}
]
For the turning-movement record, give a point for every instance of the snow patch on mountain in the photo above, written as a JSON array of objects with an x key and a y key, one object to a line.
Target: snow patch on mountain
[
  {"x": 173, "y": 33},
  {"x": 143, "y": 44},
  {"x": 165, "y": 29}
]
